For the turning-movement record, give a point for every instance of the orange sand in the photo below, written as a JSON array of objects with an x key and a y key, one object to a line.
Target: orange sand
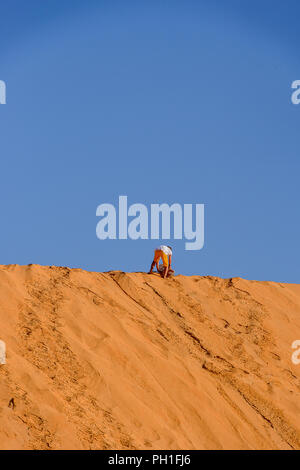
[{"x": 132, "y": 361}]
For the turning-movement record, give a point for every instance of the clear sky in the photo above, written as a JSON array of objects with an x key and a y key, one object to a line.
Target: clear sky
[{"x": 163, "y": 101}]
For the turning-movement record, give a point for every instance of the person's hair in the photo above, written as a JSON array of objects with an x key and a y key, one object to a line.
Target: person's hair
[{"x": 170, "y": 248}]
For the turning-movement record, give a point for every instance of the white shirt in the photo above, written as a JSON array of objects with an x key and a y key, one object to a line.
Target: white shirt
[{"x": 165, "y": 249}]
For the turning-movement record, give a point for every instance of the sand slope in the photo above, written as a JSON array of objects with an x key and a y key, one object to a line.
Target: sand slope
[{"x": 123, "y": 361}]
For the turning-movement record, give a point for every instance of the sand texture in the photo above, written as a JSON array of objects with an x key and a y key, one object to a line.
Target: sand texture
[{"x": 132, "y": 361}]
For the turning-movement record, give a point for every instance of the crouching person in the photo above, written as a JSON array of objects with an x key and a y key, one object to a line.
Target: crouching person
[{"x": 165, "y": 254}]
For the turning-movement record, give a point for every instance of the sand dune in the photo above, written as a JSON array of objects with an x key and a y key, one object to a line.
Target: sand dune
[{"x": 132, "y": 361}]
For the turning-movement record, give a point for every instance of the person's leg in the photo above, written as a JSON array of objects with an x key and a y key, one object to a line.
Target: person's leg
[
  {"x": 155, "y": 260},
  {"x": 151, "y": 268},
  {"x": 166, "y": 265}
]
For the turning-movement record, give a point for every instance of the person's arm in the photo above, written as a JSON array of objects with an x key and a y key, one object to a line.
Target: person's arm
[
  {"x": 170, "y": 260},
  {"x": 166, "y": 272}
]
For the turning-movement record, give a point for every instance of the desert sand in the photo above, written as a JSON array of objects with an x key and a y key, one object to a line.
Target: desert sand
[{"x": 131, "y": 361}]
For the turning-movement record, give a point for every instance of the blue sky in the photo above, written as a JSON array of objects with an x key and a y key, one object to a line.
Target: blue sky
[{"x": 182, "y": 101}]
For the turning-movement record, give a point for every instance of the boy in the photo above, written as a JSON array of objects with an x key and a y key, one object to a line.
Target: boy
[{"x": 165, "y": 253}]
